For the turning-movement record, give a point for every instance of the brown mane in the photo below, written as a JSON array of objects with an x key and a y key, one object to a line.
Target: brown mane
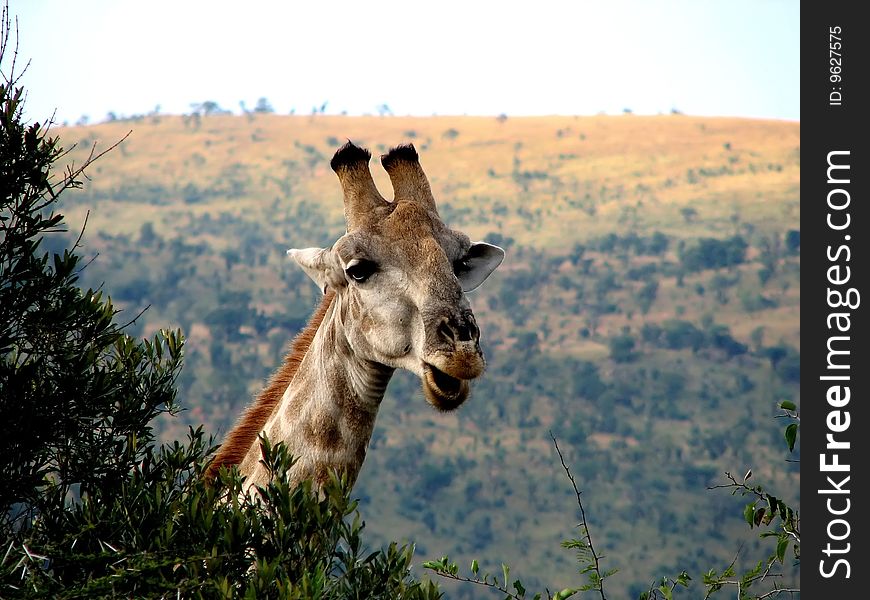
[{"x": 241, "y": 437}]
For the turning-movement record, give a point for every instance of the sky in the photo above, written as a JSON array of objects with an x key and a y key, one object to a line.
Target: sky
[{"x": 541, "y": 57}]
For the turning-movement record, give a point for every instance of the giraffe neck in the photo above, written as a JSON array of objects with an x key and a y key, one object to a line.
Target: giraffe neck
[{"x": 327, "y": 413}]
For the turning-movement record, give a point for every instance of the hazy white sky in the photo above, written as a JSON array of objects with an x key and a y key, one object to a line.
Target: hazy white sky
[{"x": 702, "y": 57}]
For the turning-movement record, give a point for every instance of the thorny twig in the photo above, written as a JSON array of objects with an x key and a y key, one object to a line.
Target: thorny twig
[{"x": 595, "y": 556}]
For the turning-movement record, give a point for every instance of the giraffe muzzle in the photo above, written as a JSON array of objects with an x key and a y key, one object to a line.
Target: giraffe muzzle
[
  {"x": 448, "y": 370},
  {"x": 443, "y": 391}
]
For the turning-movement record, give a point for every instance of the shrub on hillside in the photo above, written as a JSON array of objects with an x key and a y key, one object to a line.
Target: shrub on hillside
[{"x": 712, "y": 253}]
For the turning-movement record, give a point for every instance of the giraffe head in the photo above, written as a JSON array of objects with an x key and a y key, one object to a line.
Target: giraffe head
[{"x": 400, "y": 276}]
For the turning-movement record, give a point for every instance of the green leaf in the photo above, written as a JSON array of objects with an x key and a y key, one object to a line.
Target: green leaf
[
  {"x": 505, "y": 571},
  {"x": 518, "y": 586},
  {"x": 781, "y": 546},
  {"x": 783, "y": 510},
  {"x": 475, "y": 567},
  {"x": 773, "y": 504},
  {"x": 791, "y": 435},
  {"x": 787, "y": 405},
  {"x": 749, "y": 513}
]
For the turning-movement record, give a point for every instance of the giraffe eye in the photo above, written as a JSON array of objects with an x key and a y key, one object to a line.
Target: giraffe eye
[{"x": 360, "y": 270}]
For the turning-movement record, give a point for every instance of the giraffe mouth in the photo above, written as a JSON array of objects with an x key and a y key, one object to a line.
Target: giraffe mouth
[{"x": 443, "y": 391}]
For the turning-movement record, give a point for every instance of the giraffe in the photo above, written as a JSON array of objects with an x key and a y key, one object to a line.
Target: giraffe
[{"x": 394, "y": 297}]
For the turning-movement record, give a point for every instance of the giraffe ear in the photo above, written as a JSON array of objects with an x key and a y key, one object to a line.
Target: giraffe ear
[
  {"x": 320, "y": 265},
  {"x": 482, "y": 259}
]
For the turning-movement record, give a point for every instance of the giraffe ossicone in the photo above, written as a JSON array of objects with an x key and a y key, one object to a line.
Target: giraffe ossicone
[{"x": 394, "y": 290}]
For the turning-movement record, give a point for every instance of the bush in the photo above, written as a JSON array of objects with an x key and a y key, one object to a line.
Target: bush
[
  {"x": 678, "y": 334},
  {"x": 711, "y": 253},
  {"x": 622, "y": 348},
  {"x": 720, "y": 337},
  {"x": 793, "y": 241}
]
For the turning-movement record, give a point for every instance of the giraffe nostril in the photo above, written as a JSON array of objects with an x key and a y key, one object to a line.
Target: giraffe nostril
[
  {"x": 446, "y": 332},
  {"x": 465, "y": 332},
  {"x": 465, "y": 329}
]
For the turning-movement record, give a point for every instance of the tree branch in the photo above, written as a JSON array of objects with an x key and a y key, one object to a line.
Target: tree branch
[{"x": 595, "y": 557}]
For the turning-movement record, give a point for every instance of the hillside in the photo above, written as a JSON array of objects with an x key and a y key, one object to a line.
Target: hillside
[{"x": 647, "y": 313}]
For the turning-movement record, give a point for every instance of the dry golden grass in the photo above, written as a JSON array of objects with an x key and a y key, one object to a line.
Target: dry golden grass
[{"x": 627, "y": 171}]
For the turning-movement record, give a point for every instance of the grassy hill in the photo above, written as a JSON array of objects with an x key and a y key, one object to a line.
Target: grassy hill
[{"x": 647, "y": 313}]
